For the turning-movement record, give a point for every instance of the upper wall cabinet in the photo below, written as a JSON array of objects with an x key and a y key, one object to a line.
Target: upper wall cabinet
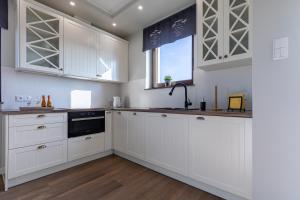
[
  {"x": 41, "y": 39},
  {"x": 54, "y": 43},
  {"x": 112, "y": 58},
  {"x": 224, "y": 33},
  {"x": 80, "y": 50}
]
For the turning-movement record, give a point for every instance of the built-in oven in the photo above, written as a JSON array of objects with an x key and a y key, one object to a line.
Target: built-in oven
[{"x": 85, "y": 123}]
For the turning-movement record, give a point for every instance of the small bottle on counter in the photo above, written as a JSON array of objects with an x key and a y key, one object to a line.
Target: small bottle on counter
[
  {"x": 44, "y": 103},
  {"x": 49, "y": 102},
  {"x": 203, "y": 105}
]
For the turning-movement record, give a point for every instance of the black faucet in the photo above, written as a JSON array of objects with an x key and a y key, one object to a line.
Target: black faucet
[{"x": 187, "y": 101}]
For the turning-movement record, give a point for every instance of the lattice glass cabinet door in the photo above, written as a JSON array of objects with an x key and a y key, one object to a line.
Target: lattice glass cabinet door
[
  {"x": 210, "y": 14},
  {"x": 237, "y": 29},
  {"x": 40, "y": 39}
]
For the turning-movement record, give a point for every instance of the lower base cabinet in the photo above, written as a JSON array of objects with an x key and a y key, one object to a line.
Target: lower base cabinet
[
  {"x": 81, "y": 147},
  {"x": 213, "y": 150},
  {"x": 220, "y": 153},
  {"x": 34, "y": 158}
]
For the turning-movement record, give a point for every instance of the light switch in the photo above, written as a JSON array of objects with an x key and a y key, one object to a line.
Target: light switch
[{"x": 281, "y": 48}]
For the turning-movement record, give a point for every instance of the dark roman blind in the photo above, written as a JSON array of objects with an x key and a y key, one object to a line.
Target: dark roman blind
[
  {"x": 3, "y": 24},
  {"x": 175, "y": 27}
]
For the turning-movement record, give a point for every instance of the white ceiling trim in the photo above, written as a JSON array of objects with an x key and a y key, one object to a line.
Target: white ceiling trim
[{"x": 109, "y": 12}]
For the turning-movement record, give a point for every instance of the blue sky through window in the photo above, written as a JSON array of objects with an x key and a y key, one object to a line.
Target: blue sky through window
[{"x": 176, "y": 60}]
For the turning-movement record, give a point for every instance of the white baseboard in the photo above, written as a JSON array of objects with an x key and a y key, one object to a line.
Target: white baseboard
[
  {"x": 45, "y": 172},
  {"x": 210, "y": 189}
]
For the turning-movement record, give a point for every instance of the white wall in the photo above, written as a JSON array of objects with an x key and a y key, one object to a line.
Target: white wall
[
  {"x": 276, "y": 136},
  {"x": 228, "y": 81},
  {"x": 26, "y": 84}
]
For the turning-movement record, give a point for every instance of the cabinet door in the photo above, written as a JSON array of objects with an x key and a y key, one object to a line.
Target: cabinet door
[
  {"x": 120, "y": 131},
  {"x": 210, "y": 17},
  {"x": 174, "y": 143},
  {"x": 154, "y": 133},
  {"x": 136, "y": 135},
  {"x": 166, "y": 141},
  {"x": 108, "y": 130},
  {"x": 217, "y": 155},
  {"x": 81, "y": 147},
  {"x": 41, "y": 39},
  {"x": 80, "y": 50},
  {"x": 112, "y": 59},
  {"x": 237, "y": 29},
  {"x": 27, "y": 160}
]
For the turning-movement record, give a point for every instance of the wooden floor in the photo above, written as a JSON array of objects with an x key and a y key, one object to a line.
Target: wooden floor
[{"x": 110, "y": 178}]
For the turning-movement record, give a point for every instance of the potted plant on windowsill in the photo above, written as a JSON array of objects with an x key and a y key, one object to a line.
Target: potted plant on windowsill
[{"x": 168, "y": 80}]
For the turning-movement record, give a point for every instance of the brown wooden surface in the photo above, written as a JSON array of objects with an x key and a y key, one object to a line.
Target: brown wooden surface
[{"x": 110, "y": 178}]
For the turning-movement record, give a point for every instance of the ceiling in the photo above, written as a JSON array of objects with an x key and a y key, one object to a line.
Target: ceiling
[{"x": 124, "y": 13}]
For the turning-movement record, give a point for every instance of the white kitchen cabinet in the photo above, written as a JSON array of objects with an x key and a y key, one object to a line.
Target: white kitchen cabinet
[
  {"x": 108, "y": 131},
  {"x": 34, "y": 158},
  {"x": 112, "y": 58},
  {"x": 136, "y": 135},
  {"x": 36, "y": 134},
  {"x": 224, "y": 33},
  {"x": 80, "y": 50},
  {"x": 220, "y": 153},
  {"x": 40, "y": 39},
  {"x": 88, "y": 145},
  {"x": 120, "y": 131},
  {"x": 166, "y": 141}
]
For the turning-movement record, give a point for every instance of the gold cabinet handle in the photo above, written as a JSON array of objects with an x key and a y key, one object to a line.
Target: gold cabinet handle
[
  {"x": 41, "y": 116},
  {"x": 88, "y": 138},
  {"x": 164, "y": 115},
  {"x": 200, "y": 118}
]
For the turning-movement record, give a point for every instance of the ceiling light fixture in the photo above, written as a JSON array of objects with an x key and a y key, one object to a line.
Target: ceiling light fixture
[
  {"x": 114, "y": 24},
  {"x": 72, "y": 3},
  {"x": 140, "y": 7}
]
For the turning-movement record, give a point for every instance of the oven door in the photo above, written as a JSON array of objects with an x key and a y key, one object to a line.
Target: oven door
[{"x": 86, "y": 126}]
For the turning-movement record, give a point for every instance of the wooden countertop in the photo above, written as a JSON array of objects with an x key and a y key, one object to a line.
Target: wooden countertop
[
  {"x": 221, "y": 113},
  {"x": 56, "y": 110}
]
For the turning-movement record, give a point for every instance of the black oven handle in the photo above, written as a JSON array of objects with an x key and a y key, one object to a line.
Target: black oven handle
[{"x": 86, "y": 119}]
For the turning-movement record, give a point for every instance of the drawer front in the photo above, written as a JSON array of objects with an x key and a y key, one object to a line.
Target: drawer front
[
  {"x": 85, "y": 146},
  {"x": 32, "y": 159},
  {"x": 36, "y": 119},
  {"x": 36, "y": 134}
]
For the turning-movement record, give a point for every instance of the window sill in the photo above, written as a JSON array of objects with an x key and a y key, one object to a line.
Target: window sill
[{"x": 168, "y": 87}]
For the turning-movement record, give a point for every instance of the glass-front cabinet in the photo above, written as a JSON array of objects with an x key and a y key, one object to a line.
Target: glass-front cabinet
[
  {"x": 41, "y": 39},
  {"x": 224, "y": 32}
]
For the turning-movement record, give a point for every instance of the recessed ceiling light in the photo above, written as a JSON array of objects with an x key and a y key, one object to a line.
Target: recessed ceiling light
[
  {"x": 114, "y": 24},
  {"x": 72, "y": 3},
  {"x": 140, "y": 7}
]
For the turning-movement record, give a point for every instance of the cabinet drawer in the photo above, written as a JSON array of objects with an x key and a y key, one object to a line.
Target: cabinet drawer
[
  {"x": 85, "y": 146},
  {"x": 36, "y": 134},
  {"x": 34, "y": 158},
  {"x": 36, "y": 119}
]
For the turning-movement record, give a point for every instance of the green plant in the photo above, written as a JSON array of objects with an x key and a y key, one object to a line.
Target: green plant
[{"x": 168, "y": 78}]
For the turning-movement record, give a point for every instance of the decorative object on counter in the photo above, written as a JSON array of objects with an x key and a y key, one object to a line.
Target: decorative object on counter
[
  {"x": 203, "y": 105},
  {"x": 168, "y": 80},
  {"x": 49, "y": 102},
  {"x": 44, "y": 103},
  {"x": 216, "y": 107},
  {"x": 116, "y": 102},
  {"x": 236, "y": 102}
]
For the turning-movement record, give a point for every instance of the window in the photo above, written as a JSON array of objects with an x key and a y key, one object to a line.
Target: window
[{"x": 175, "y": 60}]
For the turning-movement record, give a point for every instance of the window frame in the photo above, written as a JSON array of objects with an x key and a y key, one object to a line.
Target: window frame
[{"x": 155, "y": 60}]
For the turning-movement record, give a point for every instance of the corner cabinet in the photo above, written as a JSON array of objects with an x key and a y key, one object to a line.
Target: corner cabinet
[
  {"x": 112, "y": 58},
  {"x": 54, "y": 43},
  {"x": 224, "y": 33},
  {"x": 41, "y": 39}
]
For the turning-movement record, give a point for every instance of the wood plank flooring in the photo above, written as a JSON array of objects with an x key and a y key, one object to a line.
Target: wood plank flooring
[{"x": 110, "y": 178}]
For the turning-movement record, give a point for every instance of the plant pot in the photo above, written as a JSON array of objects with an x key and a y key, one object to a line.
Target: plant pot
[{"x": 167, "y": 83}]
